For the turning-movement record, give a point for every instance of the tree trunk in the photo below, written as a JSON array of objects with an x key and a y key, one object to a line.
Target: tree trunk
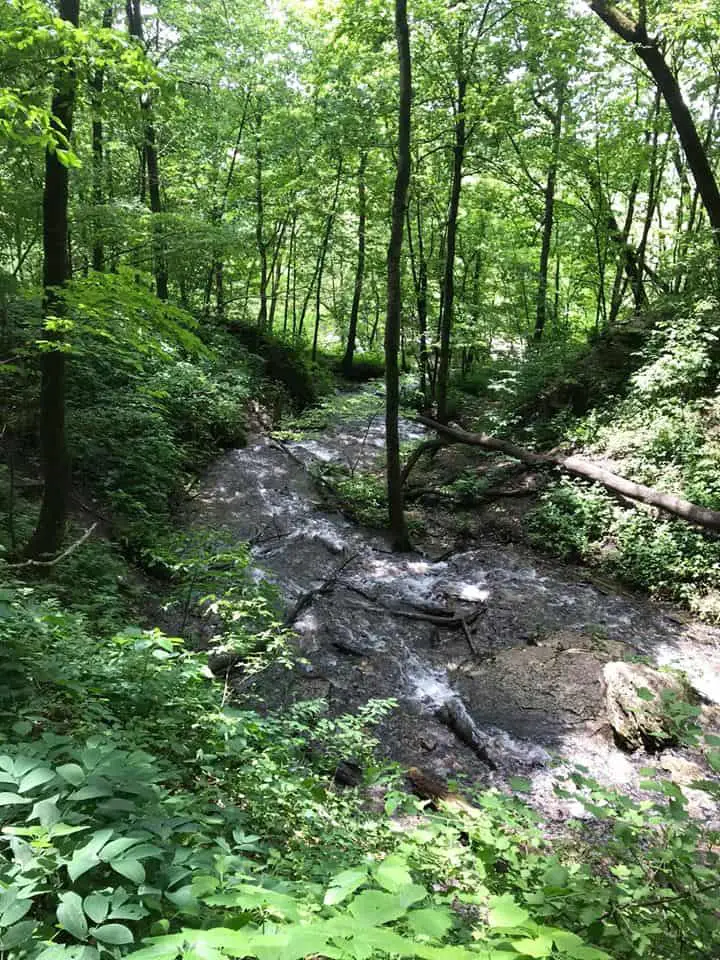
[
  {"x": 50, "y": 529},
  {"x": 97, "y": 85},
  {"x": 135, "y": 28},
  {"x": 549, "y": 216},
  {"x": 448, "y": 305},
  {"x": 360, "y": 269},
  {"x": 650, "y": 51},
  {"x": 393, "y": 321},
  {"x": 322, "y": 257},
  {"x": 420, "y": 279},
  {"x": 702, "y": 516}
]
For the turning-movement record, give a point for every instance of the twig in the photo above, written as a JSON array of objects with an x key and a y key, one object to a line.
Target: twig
[
  {"x": 62, "y": 556},
  {"x": 470, "y": 639},
  {"x": 307, "y": 598}
]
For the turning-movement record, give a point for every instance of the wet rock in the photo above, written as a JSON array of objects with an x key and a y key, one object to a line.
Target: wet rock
[
  {"x": 635, "y": 699},
  {"x": 348, "y": 773}
]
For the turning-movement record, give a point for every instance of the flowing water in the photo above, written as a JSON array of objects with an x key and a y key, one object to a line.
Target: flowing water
[{"x": 516, "y": 689}]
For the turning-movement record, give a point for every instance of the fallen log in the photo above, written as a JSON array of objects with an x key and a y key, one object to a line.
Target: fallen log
[{"x": 690, "y": 512}]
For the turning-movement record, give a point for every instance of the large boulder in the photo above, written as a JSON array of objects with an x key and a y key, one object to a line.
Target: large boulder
[{"x": 636, "y": 698}]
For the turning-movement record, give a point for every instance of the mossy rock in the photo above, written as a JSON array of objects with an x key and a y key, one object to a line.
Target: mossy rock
[{"x": 636, "y": 699}]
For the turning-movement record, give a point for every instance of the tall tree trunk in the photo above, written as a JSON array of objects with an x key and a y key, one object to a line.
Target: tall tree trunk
[
  {"x": 98, "y": 146},
  {"x": 650, "y": 51},
  {"x": 420, "y": 280},
  {"x": 549, "y": 216},
  {"x": 290, "y": 271},
  {"x": 625, "y": 265},
  {"x": 448, "y": 306},
  {"x": 260, "y": 223},
  {"x": 393, "y": 320},
  {"x": 360, "y": 269},
  {"x": 135, "y": 28},
  {"x": 329, "y": 222},
  {"x": 50, "y": 528}
]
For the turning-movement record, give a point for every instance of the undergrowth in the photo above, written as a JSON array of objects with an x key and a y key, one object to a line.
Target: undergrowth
[{"x": 146, "y": 812}]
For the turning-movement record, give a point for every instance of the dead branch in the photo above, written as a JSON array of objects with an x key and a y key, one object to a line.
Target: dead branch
[
  {"x": 690, "y": 512},
  {"x": 307, "y": 598},
  {"x": 61, "y": 556}
]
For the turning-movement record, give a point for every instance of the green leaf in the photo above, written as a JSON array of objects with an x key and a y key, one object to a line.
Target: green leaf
[
  {"x": 116, "y": 847},
  {"x": 73, "y": 773},
  {"x": 541, "y": 946},
  {"x": 10, "y": 799},
  {"x": 36, "y": 778},
  {"x": 344, "y": 884},
  {"x": 374, "y": 907},
  {"x": 14, "y": 912},
  {"x": 18, "y": 934},
  {"x": 504, "y": 912},
  {"x": 392, "y": 874},
  {"x": 430, "y": 922},
  {"x": 96, "y": 907},
  {"x": 556, "y": 877},
  {"x": 71, "y": 916},
  {"x": 132, "y": 869},
  {"x": 114, "y": 933},
  {"x": 46, "y": 811}
]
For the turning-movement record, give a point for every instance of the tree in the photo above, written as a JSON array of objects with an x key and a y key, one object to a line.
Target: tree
[
  {"x": 347, "y": 361},
  {"x": 393, "y": 320},
  {"x": 150, "y": 154},
  {"x": 650, "y": 51},
  {"x": 50, "y": 528}
]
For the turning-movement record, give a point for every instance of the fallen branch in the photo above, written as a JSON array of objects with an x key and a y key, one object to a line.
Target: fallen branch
[
  {"x": 307, "y": 598},
  {"x": 62, "y": 556},
  {"x": 690, "y": 512}
]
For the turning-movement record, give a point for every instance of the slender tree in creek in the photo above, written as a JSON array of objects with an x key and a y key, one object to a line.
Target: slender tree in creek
[
  {"x": 393, "y": 320},
  {"x": 50, "y": 528},
  {"x": 650, "y": 50}
]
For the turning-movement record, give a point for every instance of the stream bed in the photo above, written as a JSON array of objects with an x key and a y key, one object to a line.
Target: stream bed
[{"x": 513, "y": 686}]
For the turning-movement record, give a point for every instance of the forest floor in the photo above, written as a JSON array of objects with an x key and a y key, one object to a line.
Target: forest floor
[{"x": 493, "y": 653}]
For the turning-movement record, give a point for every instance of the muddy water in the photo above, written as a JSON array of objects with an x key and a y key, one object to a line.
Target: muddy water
[{"x": 515, "y": 690}]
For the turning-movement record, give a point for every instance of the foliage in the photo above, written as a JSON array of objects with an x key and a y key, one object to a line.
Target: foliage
[{"x": 144, "y": 816}]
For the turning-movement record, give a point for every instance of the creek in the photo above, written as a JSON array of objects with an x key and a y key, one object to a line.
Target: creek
[{"x": 511, "y": 686}]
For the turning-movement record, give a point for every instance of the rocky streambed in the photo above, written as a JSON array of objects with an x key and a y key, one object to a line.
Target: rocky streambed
[{"x": 494, "y": 654}]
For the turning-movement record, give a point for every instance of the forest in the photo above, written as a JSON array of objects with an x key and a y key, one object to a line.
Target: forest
[{"x": 359, "y": 479}]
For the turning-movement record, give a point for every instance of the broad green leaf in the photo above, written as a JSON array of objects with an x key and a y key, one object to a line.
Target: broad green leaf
[
  {"x": 344, "y": 884},
  {"x": 73, "y": 773},
  {"x": 10, "y": 799},
  {"x": 374, "y": 907},
  {"x": 71, "y": 916},
  {"x": 132, "y": 869},
  {"x": 430, "y": 922},
  {"x": 116, "y": 847},
  {"x": 541, "y": 946},
  {"x": 113, "y": 933},
  {"x": 96, "y": 906},
  {"x": 392, "y": 874},
  {"x": 36, "y": 778},
  {"x": 556, "y": 877},
  {"x": 18, "y": 934},
  {"x": 504, "y": 912},
  {"x": 14, "y": 911}
]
